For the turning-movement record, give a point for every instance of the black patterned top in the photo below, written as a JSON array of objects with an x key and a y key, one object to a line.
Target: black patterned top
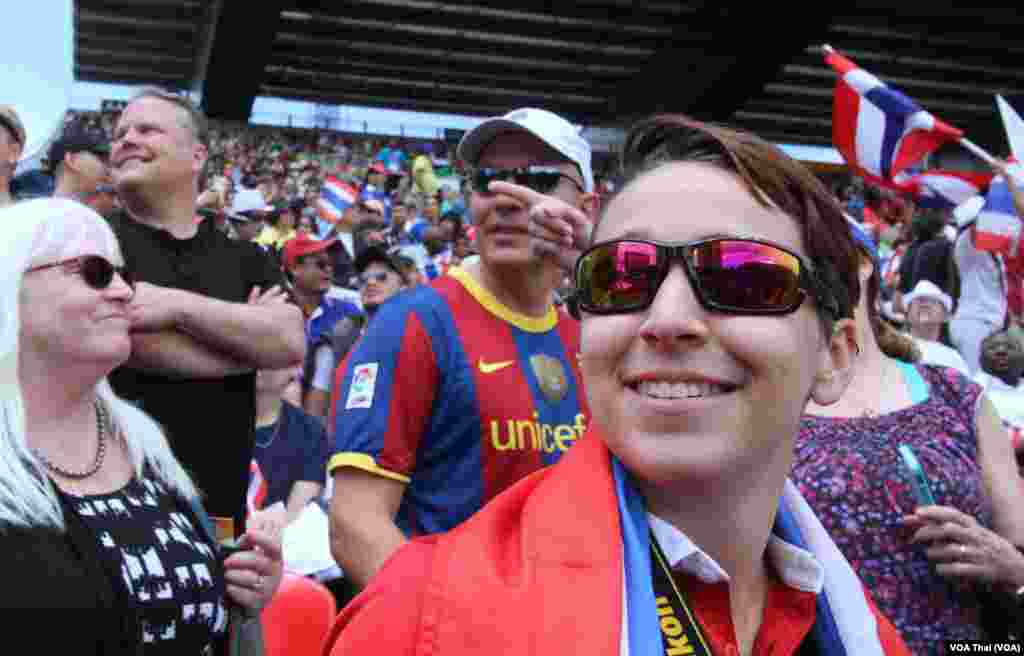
[{"x": 167, "y": 565}]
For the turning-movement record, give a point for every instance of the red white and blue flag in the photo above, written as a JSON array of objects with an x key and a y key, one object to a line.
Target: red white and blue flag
[
  {"x": 335, "y": 197},
  {"x": 941, "y": 189},
  {"x": 998, "y": 227},
  {"x": 878, "y": 129},
  {"x": 257, "y": 492}
]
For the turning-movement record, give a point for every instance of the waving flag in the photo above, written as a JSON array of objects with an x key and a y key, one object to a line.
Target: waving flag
[
  {"x": 257, "y": 492},
  {"x": 335, "y": 197},
  {"x": 1014, "y": 125},
  {"x": 878, "y": 129},
  {"x": 945, "y": 189},
  {"x": 998, "y": 228}
]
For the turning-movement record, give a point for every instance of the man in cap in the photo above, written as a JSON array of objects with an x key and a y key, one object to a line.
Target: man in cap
[
  {"x": 310, "y": 267},
  {"x": 78, "y": 161},
  {"x": 928, "y": 310},
  {"x": 247, "y": 214},
  {"x": 381, "y": 276},
  {"x": 462, "y": 387},
  {"x": 208, "y": 311},
  {"x": 12, "y": 143}
]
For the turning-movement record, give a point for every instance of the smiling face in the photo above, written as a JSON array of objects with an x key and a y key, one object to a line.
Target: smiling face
[
  {"x": 1000, "y": 354},
  {"x": 681, "y": 391},
  {"x": 502, "y": 222},
  {"x": 154, "y": 145},
  {"x": 65, "y": 321},
  {"x": 926, "y": 311}
]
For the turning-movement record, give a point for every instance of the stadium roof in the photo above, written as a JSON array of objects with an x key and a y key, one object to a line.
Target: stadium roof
[{"x": 599, "y": 62}]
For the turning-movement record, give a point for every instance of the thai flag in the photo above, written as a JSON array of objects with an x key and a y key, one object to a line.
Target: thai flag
[
  {"x": 998, "y": 227},
  {"x": 335, "y": 197},
  {"x": 257, "y": 492},
  {"x": 946, "y": 189},
  {"x": 878, "y": 130}
]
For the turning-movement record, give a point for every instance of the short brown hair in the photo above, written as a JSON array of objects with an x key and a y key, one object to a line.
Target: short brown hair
[
  {"x": 197, "y": 122},
  {"x": 770, "y": 176}
]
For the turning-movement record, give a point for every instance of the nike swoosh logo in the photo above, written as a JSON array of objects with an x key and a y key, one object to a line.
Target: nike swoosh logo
[{"x": 491, "y": 367}]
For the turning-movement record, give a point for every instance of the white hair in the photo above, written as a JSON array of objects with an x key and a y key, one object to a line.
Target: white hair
[{"x": 39, "y": 232}]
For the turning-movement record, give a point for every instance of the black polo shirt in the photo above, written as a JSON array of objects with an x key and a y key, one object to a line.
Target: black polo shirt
[{"x": 209, "y": 423}]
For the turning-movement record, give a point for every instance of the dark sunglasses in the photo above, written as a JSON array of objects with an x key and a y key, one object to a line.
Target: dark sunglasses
[
  {"x": 96, "y": 271},
  {"x": 736, "y": 276},
  {"x": 321, "y": 263},
  {"x": 366, "y": 278},
  {"x": 542, "y": 179}
]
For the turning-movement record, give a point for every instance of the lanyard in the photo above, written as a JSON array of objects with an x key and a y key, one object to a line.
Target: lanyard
[{"x": 680, "y": 632}]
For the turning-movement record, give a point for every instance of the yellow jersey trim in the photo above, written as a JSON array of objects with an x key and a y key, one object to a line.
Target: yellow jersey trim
[
  {"x": 503, "y": 312},
  {"x": 365, "y": 463}
]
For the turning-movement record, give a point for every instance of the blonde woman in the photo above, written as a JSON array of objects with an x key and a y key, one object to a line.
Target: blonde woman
[{"x": 95, "y": 511}]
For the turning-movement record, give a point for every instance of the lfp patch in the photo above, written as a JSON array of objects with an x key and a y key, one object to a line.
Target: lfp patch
[{"x": 364, "y": 381}]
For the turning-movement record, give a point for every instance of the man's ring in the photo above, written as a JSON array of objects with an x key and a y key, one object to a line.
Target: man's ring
[
  {"x": 963, "y": 550},
  {"x": 260, "y": 581}
]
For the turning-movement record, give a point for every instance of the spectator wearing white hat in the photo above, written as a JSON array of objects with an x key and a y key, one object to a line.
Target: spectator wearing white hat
[
  {"x": 928, "y": 309},
  {"x": 247, "y": 212},
  {"x": 429, "y": 400}
]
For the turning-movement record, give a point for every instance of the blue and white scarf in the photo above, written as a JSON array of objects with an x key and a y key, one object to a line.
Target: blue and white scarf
[{"x": 845, "y": 625}]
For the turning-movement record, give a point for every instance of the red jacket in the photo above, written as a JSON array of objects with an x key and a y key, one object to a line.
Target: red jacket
[{"x": 536, "y": 571}]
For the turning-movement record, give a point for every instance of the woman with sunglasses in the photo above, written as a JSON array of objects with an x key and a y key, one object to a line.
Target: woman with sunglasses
[
  {"x": 97, "y": 517},
  {"x": 714, "y": 304},
  {"x": 940, "y": 570}
]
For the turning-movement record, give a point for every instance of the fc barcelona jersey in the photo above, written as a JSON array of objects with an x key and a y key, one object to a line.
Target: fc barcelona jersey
[{"x": 458, "y": 397}]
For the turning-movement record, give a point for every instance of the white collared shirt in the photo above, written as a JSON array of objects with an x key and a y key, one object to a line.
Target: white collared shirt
[{"x": 795, "y": 567}]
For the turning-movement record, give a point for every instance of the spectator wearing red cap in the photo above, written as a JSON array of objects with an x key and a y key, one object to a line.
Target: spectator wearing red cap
[
  {"x": 12, "y": 142},
  {"x": 310, "y": 268}
]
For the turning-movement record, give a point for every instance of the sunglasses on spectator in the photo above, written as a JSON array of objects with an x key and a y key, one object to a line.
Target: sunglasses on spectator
[
  {"x": 542, "y": 179},
  {"x": 96, "y": 271},
  {"x": 734, "y": 276},
  {"x": 321, "y": 263},
  {"x": 367, "y": 278}
]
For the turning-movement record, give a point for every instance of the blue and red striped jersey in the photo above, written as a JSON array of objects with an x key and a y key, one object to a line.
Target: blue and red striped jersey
[{"x": 458, "y": 397}]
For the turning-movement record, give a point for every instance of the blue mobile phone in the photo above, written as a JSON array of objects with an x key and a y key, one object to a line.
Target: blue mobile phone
[{"x": 922, "y": 491}]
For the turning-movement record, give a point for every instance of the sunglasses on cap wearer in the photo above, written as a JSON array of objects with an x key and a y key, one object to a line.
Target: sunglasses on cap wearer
[
  {"x": 367, "y": 278},
  {"x": 730, "y": 275},
  {"x": 96, "y": 271},
  {"x": 542, "y": 179}
]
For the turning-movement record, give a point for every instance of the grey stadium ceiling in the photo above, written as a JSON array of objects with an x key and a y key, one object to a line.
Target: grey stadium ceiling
[{"x": 599, "y": 62}]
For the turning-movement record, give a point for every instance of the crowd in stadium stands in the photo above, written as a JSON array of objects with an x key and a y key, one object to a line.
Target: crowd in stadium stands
[{"x": 231, "y": 351}]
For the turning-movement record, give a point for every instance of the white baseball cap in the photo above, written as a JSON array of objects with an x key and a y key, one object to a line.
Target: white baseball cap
[
  {"x": 550, "y": 128},
  {"x": 928, "y": 289},
  {"x": 248, "y": 200}
]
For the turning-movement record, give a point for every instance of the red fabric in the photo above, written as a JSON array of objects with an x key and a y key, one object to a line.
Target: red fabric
[
  {"x": 538, "y": 571},
  {"x": 411, "y": 405},
  {"x": 298, "y": 617},
  {"x": 788, "y": 617}
]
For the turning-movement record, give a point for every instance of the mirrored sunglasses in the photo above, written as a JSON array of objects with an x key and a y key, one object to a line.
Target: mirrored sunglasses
[{"x": 735, "y": 276}]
